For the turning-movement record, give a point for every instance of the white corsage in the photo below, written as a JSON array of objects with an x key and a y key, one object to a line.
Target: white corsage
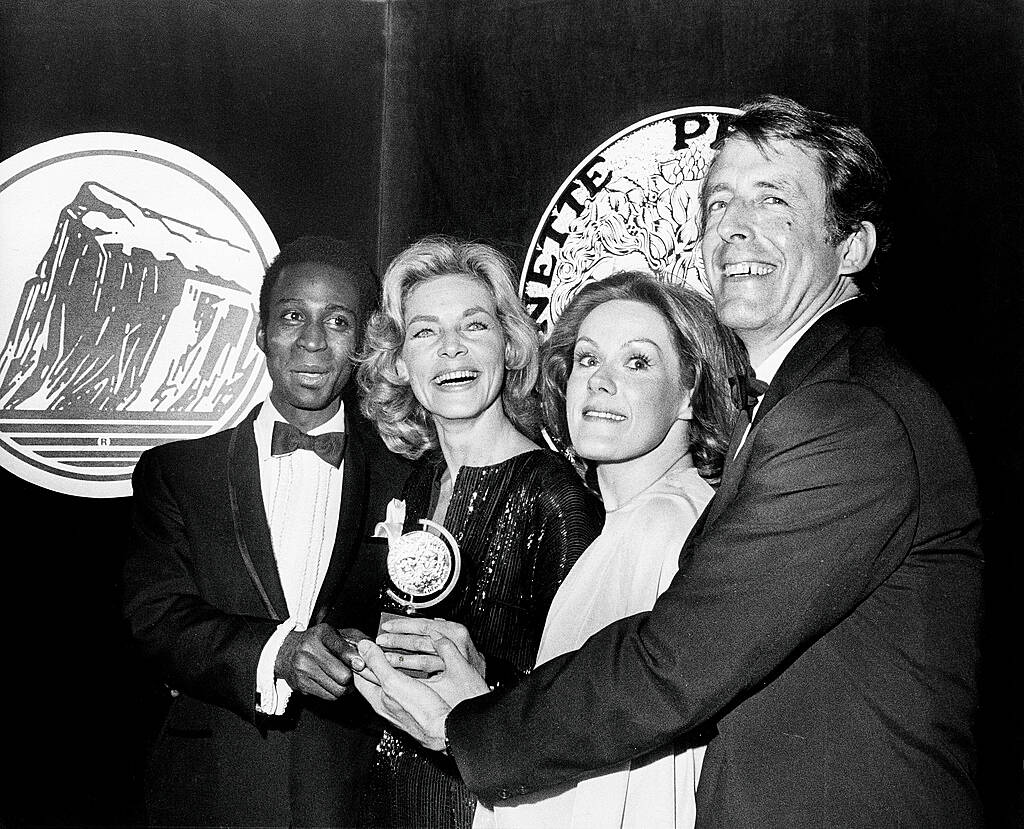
[{"x": 394, "y": 519}]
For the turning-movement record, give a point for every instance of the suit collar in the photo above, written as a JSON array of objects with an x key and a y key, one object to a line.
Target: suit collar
[
  {"x": 353, "y": 508},
  {"x": 249, "y": 515},
  {"x": 809, "y": 350},
  {"x": 814, "y": 346}
]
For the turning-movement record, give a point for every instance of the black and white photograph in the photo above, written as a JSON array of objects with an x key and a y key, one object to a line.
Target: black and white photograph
[{"x": 512, "y": 414}]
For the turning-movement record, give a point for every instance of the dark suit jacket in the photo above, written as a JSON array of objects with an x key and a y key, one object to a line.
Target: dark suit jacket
[
  {"x": 825, "y": 618},
  {"x": 203, "y": 597}
]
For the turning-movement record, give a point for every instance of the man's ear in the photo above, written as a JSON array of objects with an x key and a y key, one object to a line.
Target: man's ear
[
  {"x": 261, "y": 338},
  {"x": 858, "y": 249}
]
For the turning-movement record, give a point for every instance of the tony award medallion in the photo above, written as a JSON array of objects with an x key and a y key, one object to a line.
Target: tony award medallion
[{"x": 423, "y": 565}]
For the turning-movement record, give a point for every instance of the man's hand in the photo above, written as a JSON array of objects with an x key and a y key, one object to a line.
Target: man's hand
[
  {"x": 418, "y": 707},
  {"x": 417, "y": 634},
  {"x": 319, "y": 661}
]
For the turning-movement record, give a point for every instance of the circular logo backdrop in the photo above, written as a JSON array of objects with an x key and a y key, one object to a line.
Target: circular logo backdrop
[
  {"x": 632, "y": 204},
  {"x": 128, "y": 306}
]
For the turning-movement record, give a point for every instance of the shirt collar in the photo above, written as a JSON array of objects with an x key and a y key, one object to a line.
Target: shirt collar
[
  {"x": 769, "y": 366},
  {"x": 268, "y": 415}
]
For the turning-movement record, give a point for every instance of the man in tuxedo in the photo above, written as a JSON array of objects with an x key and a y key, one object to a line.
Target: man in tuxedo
[
  {"x": 248, "y": 555},
  {"x": 824, "y": 622}
]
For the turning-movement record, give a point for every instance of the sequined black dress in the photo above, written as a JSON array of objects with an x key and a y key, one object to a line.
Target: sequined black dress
[{"x": 520, "y": 525}]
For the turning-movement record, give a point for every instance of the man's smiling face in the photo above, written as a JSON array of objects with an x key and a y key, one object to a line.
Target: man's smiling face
[
  {"x": 309, "y": 338},
  {"x": 766, "y": 243}
]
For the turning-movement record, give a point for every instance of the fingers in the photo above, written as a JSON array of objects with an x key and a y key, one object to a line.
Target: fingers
[
  {"x": 315, "y": 665},
  {"x": 415, "y": 634},
  {"x": 406, "y": 642},
  {"x": 376, "y": 662},
  {"x": 309, "y": 677},
  {"x": 377, "y": 697},
  {"x": 344, "y": 645},
  {"x": 326, "y": 649},
  {"x": 425, "y": 663},
  {"x": 365, "y": 681},
  {"x": 408, "y": 624},
  {"x": 423, "y": 626},
  {"x": 353, "y": 634},
  {"x": 459, "y": 680},
  {"x": 402, "y": 700},
  {"x": 383, "y": 665},
  {"x": 367, "y": 684},
  {"x": 454, "y": 659}
]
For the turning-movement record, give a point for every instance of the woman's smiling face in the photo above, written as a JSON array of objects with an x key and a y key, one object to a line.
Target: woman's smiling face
[
  {"x": 625, "y": 390},
  {"x": 454, "y": 351}
]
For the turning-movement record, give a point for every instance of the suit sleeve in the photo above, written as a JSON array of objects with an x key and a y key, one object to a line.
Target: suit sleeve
[
  {"x": 196, "y": 647},
  {"x": 823, "y": 514}
]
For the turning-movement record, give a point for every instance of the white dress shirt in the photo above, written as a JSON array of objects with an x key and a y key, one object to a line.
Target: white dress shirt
[{"x": 302, "y": 497}]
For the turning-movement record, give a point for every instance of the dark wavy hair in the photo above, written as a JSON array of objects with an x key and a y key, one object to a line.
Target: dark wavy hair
[
  {"x": 342, "y": 254},
  {"x": 709, "y": 353},
  {"x": 856, "y": 181}
]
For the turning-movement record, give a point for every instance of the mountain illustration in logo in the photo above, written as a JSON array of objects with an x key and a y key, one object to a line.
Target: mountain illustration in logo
[{"x": 129, "y": 311}]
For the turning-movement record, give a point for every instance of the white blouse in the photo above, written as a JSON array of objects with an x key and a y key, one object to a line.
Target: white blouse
[{"x": 621, "y": 573}]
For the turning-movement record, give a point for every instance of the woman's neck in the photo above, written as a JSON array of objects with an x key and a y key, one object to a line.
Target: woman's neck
[
  {"x": 621, "y": 481},
  {"x": 486, "y": 439}
]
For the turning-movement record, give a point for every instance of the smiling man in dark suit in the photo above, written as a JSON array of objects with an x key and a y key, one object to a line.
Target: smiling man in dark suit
[
  {"x": 247, "y": 555},
  {"x": 824, "y": 621}
]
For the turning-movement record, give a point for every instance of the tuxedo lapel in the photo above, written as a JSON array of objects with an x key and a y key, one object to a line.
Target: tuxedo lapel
[
  {"x": 813, "y": 347},
  {"x": 350, "y": 518},
  {"x": 249, "y": 515},
  {"x": 809, "y": 351}
]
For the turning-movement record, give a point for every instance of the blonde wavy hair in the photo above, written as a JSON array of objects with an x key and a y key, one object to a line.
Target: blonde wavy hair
[{"x": 405, "y": 426}]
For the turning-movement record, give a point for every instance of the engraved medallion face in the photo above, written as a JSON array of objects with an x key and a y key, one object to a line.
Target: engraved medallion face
[
  {"x": 419, "y": 564},
  {"x": 423, "y": 565},
  {"x": 128, "y": 306},
  {"x": 632, "y": 204}
]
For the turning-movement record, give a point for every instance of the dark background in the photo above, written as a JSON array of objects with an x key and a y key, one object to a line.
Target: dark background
[{"x": 387, "y": 120}]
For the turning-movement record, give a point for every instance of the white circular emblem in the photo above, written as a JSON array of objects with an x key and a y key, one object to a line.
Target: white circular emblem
[
  {"x": 128, "y": 306},
  {"x": 419, "y": 563},
  {"x": 423, "y": 565},
  {"x": 632, "y": 204}
]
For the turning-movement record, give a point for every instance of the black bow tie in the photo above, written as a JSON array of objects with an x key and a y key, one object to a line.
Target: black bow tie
[
  {"x": 746, "y": 390},
  {"x": 287, "y": 438}
]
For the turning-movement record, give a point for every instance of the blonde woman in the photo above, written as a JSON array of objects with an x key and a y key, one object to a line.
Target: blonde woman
[{"x": 448, "y": 374}]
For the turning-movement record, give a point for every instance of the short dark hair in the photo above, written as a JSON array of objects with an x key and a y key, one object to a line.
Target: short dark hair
[
  {"x": 708, "y": 354},
  {"x": 342, "y": 254},
  {"x": 856, "y": 181}
]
